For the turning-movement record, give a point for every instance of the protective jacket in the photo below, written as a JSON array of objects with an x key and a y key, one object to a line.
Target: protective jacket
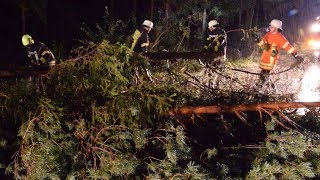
[
  {"x": 271, "y": 43},
  {"x": 40, "y": 54},
  {"x": 217, "y": 40},
  {"x": 140, "y": 41}
]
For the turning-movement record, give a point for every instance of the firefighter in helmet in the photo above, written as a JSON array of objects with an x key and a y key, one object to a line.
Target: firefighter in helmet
[
  {"x": 217, "y": 39},
  {"x": 271, "y": 43},
  {"x": 140, "y": 37},
  {"x": 140, "y": 44},
  {"x": 38, "y": 52}
]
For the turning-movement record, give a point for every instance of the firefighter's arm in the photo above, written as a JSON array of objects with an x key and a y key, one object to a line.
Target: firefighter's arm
[
  {"x": 263, "y": 44},
  {"x": 47, "y": 56},
  {"x": 145, "y": 42}
]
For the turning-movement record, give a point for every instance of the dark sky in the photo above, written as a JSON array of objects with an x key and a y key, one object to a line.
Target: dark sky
[{"x": 65, "y": 17}]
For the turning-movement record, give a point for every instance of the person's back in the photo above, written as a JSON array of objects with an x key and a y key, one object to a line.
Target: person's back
[
  {"x": 140, "y": 44},
  {"x": 38, "y": 52},
  {"x": 140, "y": 38}
]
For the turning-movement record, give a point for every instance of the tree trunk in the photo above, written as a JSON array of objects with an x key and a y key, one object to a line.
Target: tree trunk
[
  {"x": 204, "y": 22},
  {"x": 112, "y": 11},
  {"x": 167, "y": 12},
  {"x": 251, "y": 11},
  {"x": 240, "y": 15},
  {"x": 151, "y": 9},
  {"x": 134, "y": 10},
  {"x": 23, "y": 21},
  {"x": 188, "y": 110}
]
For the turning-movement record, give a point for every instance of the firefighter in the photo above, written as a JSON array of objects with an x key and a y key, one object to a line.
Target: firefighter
[
  {"x": 216, "y": 43},
  {"x": 217, "y": 40},
  {"x": 38, "y": 52},
  {"x": 140, "y": 37},
  {"x": 141, "y": 43},
  {"x": 271, "y": 43}
]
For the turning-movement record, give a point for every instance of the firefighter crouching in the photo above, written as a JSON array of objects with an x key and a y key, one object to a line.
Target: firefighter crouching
[
  {"x": 38, "y": 53},
  {"x": 271, "y": 43},
  {"x": 140, "y": 44},
  {"x": 40, "y": 57}
]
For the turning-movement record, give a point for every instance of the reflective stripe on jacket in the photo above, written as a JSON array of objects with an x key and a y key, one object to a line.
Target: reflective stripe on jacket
[
  {"x": 140, "y": 41},
  {"x": 271, "y": 45}
]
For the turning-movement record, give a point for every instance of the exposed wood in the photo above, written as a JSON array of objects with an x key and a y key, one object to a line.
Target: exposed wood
[{"x": 188, "y": 110}]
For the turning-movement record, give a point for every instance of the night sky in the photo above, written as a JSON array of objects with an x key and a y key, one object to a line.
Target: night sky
[{"x": 64, "y": 20}]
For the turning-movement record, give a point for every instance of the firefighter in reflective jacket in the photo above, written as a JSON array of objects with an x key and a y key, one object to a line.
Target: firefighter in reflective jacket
[
  {"x": 140, "y": 44},
  {"x": 271, "y": 43},
  {"x": 141, "y": 38},
  {"x": 38, "y": 53},
  {"x": 217, "y": 40}
]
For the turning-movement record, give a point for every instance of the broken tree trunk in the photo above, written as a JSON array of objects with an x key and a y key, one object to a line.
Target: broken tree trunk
[
  {"x": 173, "y": 56},
  {"x": 23, "y": 71},
  {"x": 276, "y": 106}
]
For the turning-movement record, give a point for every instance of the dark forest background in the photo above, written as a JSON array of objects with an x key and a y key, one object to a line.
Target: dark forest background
[{"x": 58, "y": 22}]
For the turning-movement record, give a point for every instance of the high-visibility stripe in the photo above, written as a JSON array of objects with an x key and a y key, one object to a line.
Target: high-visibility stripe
[
  {"x": 291, "y": 50},
  {"x": 136, "y": 35},
  {"x": 145, "y": 44},
  {"x": 285, "y": 45},
  {"x": 260, "y": 43},
  {"x": 268, "y": 66},
  {"x": 272, "y": 60},
  {"x": 45, "y": 52}
]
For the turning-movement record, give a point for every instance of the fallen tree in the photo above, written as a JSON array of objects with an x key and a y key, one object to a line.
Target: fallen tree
[{"x": 240, "y": 108}]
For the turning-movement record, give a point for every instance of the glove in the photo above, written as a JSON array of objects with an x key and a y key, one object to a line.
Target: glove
[
  {"x": 297, "y": 57},
  {"x": 274, "y": 52}
]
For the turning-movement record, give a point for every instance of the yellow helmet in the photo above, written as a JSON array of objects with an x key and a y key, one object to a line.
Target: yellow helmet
[{"x": 27, "y": 40}]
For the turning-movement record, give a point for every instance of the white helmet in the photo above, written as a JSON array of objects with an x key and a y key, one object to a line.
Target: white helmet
[
  {"x": 276, "y": 23},
  {"x": 212, "y": 23},
  {"x": 148, "y": 23}
]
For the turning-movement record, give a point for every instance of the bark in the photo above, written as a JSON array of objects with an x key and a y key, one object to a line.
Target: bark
[
  {"x": 23, "y": 21},
  {"x": 204, "y": 22},
  {"x": 151, "y": 9},
  {"x": 240, "y": 15},
  {"x": 276, "y": 106},
  {"x": 167, "y": 12},
  {"x": 134, "y": 10},
  {"x": 112, "y": 11}
]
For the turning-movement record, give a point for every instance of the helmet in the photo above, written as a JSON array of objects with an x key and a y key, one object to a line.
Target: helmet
[
  {"x": 276, "y": 23},
  {"x": 148, "y": 23},
  {"x": 27, "y": 40},
  {"x": 212, "y": 23}
]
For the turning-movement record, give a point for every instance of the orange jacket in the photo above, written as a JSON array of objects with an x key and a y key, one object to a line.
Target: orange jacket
[{"x": 271, "y": 45}]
